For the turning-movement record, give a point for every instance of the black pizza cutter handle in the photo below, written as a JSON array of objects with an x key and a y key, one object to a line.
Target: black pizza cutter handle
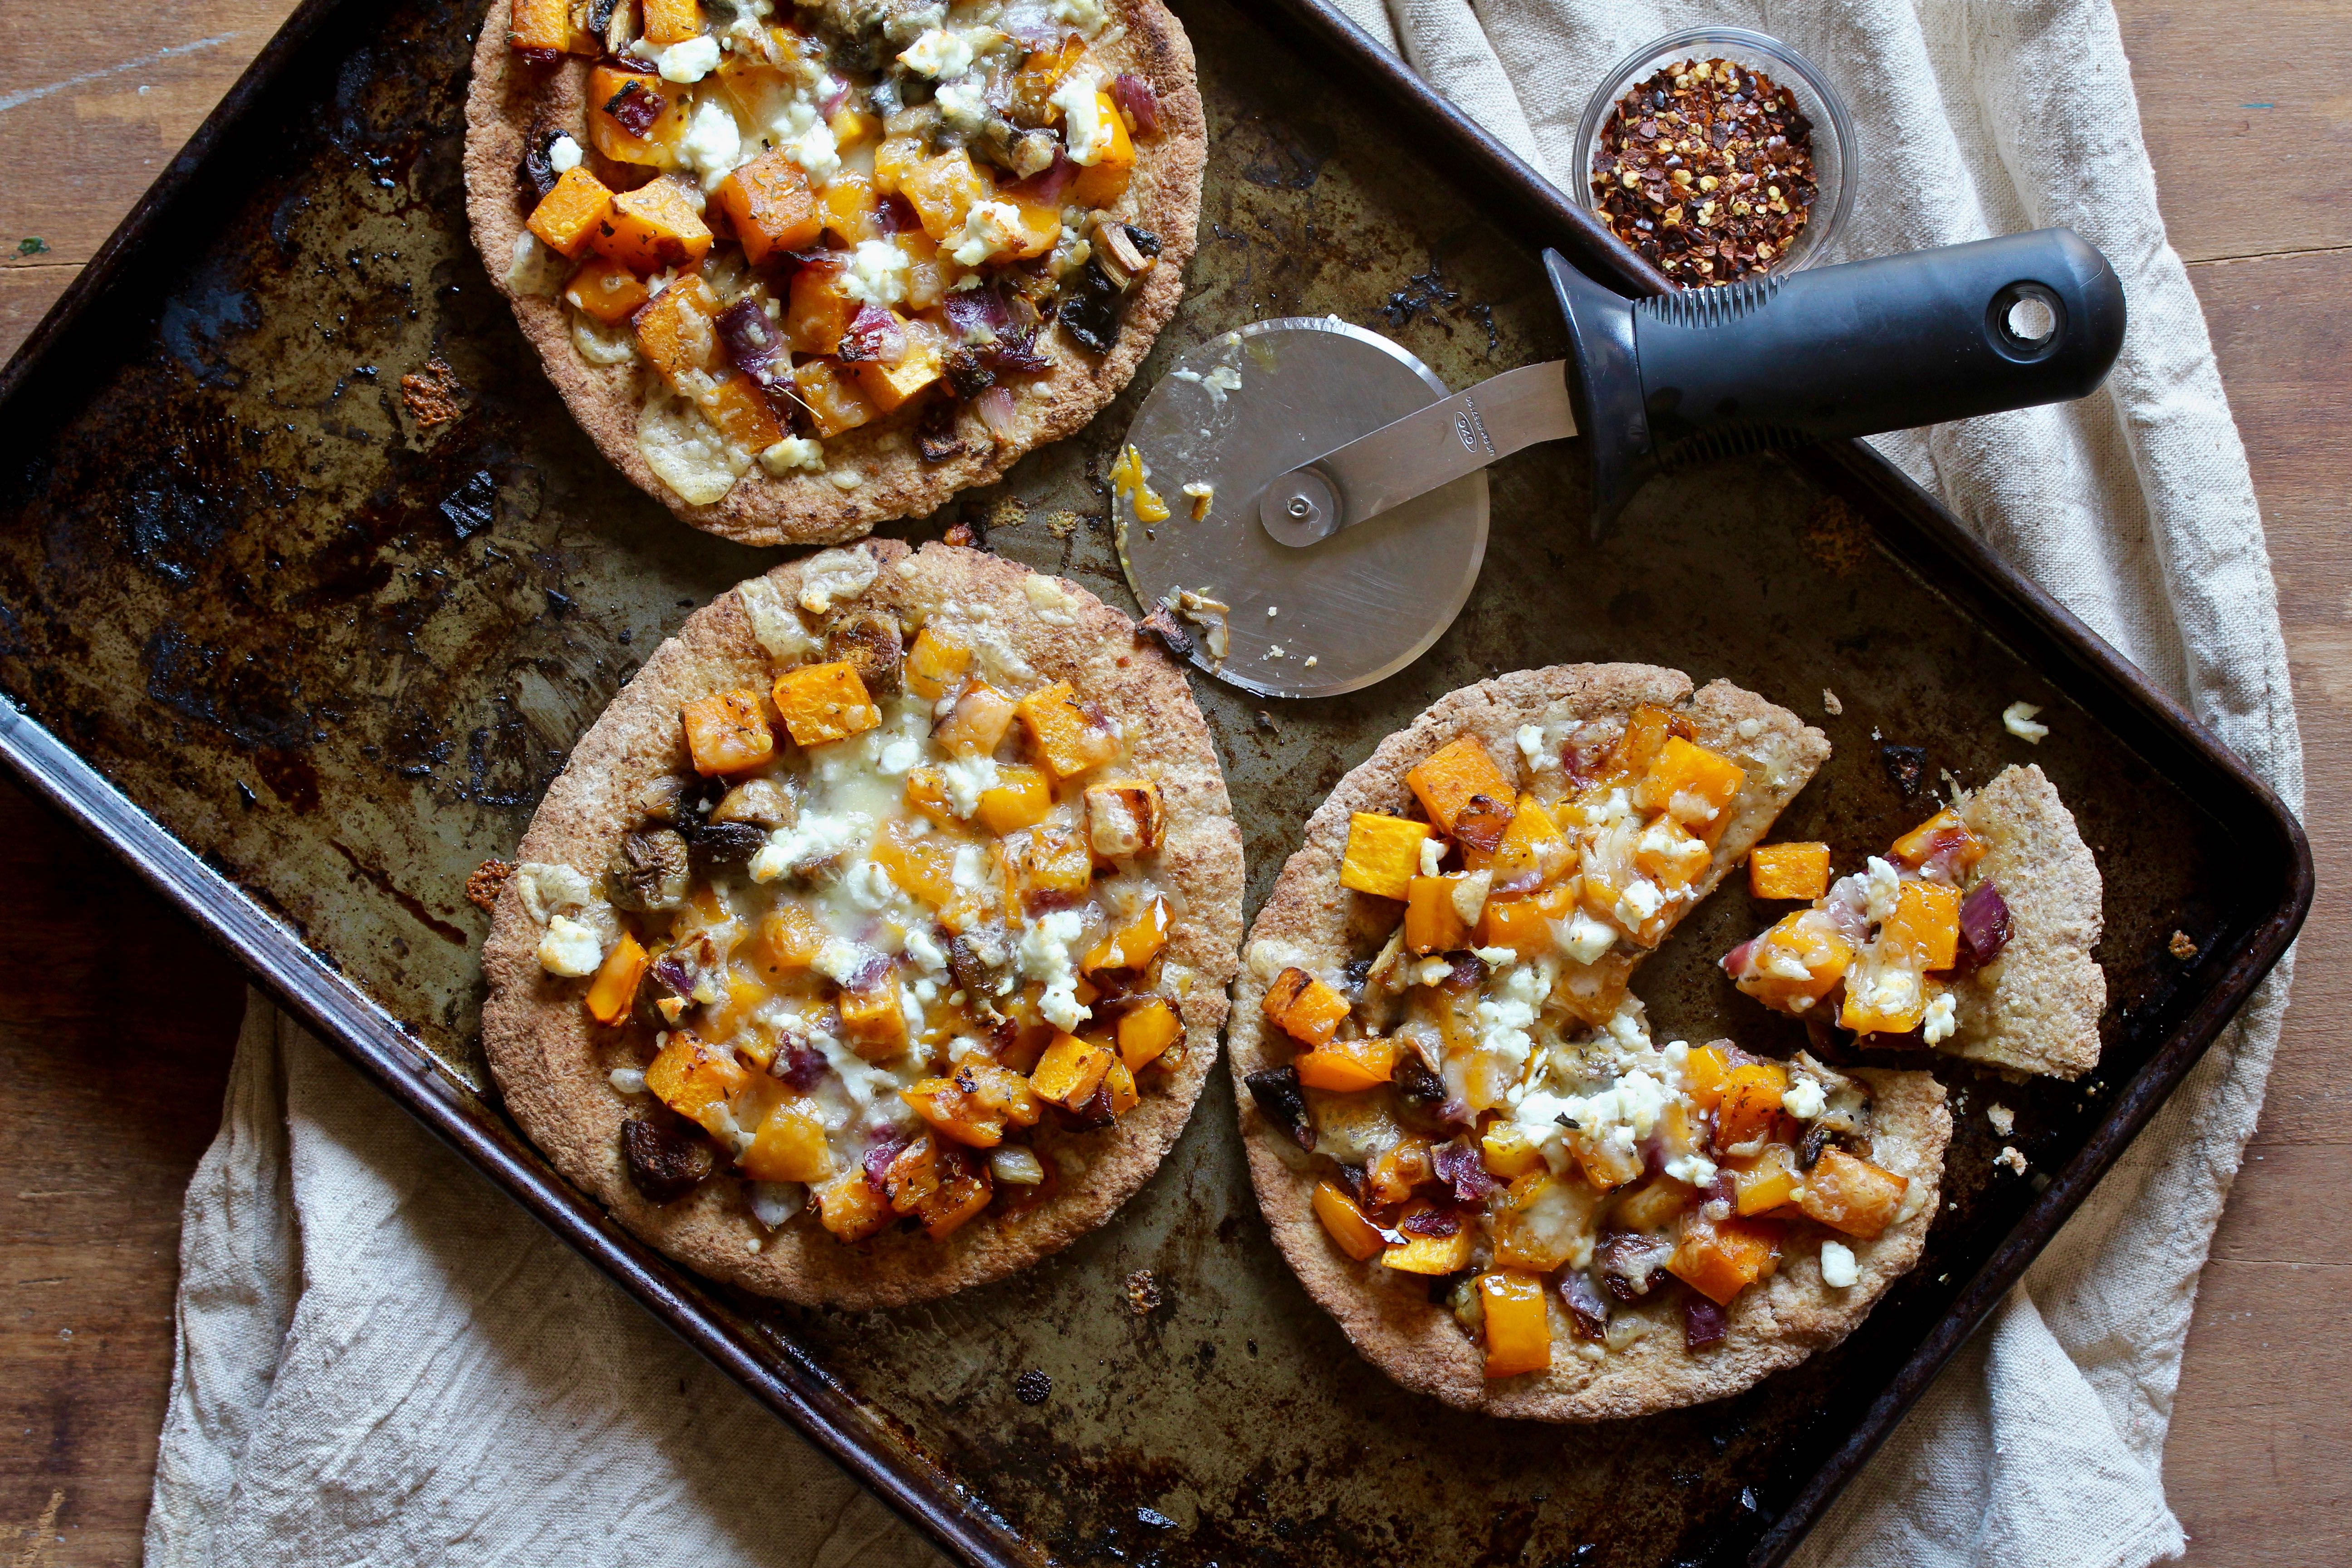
[{"x": 1853, "y": 350}]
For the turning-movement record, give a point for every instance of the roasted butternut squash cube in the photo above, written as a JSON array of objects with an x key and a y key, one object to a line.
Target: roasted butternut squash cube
[
  {"x": 927, "y": 793},
  {"x": 1070, "y": 1071},
  {"x": 872, "y": 1020},
  {"x": 912, "y": 1176},
  {"x": 818, "y": 311},
  {"x": 1392, "y": 1175},
  {"x": 849, "y": 207},
  {"x": 1039, "y": 76},
  {"x": 1656, "y": 1205},
  {"x": 1518, "y": 1323},
  {"x": 679, "y": 335},
  {"x": 769, "y": 205},
  {"x": 1671, "y": 855},
  {"x": 1304, "y": 1007},
  {"x": 697, "y": 1079},
  {"x": 923, "y": 867},
  {"x": 790, "y": 1146},
  {"x": 1534, "y": 853},
  {"x": 850, "y": 1208},
  {"x": 1693, "y": 785},
  {"x": 1506, "y": 1151},
  {"x": 977, "y": 725},
  {"x": 948, "y": 1112},
  {"x": 1647, "y": 729},
  {"x": 546, "y": 25},
  {"x": 605, "y": 290},
  {"x": 1545, "y": 1223},
  {"x": 1037, "y": 229},
  {"x": 1606, "y": 1164},
  {"x": 1433, "y": 915},
  {"x": 615, "y": 989},
  {"x": 822, "y": 703},
  {"x": 789, "y": 940},
  {"x": 894, "y": 157},
  {"x": 1925, "y": 924},
  {"x": 1750, "y": 1103},
  {"x": 1020, "y": 798},
  {"x": 568, "y": 219},
  {"x": 1944, "y": 838},
  {"x": 618, "y": 100},
  {"x": 1063, "y": 734},
  {"x": 1345, "y": 1222},
  {"x": 725, "y": 733},
  {"x": 1125, "y": 818},
  {"x": 671, "y": 22},
  {"x": 1423, "y": 1254},
  {"x": 1132, "y": 946},
  {"x": 1145, "y": 1034},
  {"x": 741, "y": 413},
  {"x": 1383, "y": 854},
  {"x": 935, "y": 662},
  {"x": 1118, "y": 1086},
  {"x": 1886, "y": 994},
  {"x": 1705, "y": 1070},
  {"x": 1799, "y": 960},
  {"x": 1720, "y": 1258},
  {"x": 1789, "y": 871},
  {"x": 1846, "y": 1192},
  {"x": 1767, "y": 1182},
  {"x": 835, "y": 401},
  {"x": 1523, "y": 923},
  {"x": 1101, "y": 182},
  {"x": 1345, "y": 1066},
  {"x": 1045, "y": 864},
  {"x": 943, "y": 189},
  {"x": 961, "y": 1194},
  {"x": 1457, "y": 771},
  {"x": 652, "y": 227},
  {"x": 892, "y": 385}
]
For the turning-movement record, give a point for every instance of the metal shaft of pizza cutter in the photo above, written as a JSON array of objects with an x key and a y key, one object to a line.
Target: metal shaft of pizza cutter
[{"x": 1890, "y": 344}]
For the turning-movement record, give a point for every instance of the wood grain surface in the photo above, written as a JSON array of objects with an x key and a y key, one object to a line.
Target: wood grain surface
[{"x": 117, "y": 1017}]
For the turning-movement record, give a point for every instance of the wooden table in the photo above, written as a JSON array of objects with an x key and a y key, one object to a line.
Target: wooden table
[{"x": 117, "y": 1019}]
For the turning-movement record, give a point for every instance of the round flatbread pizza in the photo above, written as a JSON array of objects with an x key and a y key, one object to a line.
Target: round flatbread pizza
[
  {"x": 874, "y": 942},
  {"x": 1467, "y": 1141},
  {"x": 800, "y": 270}
]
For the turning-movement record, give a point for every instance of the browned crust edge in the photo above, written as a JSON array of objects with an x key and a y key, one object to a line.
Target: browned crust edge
[
  {"x": 507, "y": 98},
  {"x": 2036, "y": 1009},
  {"x": 1389, "y": 1317},
  {"x": 551, "y": 1063}
]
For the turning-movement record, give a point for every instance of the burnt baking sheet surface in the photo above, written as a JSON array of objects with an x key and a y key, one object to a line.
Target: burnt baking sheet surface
[{"x": 338, "y": 652}]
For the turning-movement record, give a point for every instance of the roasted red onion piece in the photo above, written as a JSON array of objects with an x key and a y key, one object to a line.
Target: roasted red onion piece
[
  {"x": 1630, "y": 1261},
  {"x": 1703, "y": 1323},
  {"x": 1588, "y": 1310},
  {"x": 1044, "y": 187},
  {"x": 895, "y": 215},
  {"x": 1016, "y": 351},
  {"x": 994, "y": 408},
  {"x": 1433, "y": 1222},
  {"x": 799, "y": 1064},
  {"x": 1984, "y": 927},
  {"x": 1459, "y": 1166},
  {"x": 1734, "y": 963},
  {"x": 635, "y": 108},
  {"x": 754, "y": 343},
  {"x": 887, "y": 1147},
  {"x": 977, "y": 315},
  {"x": 1140, "y": 100},
  {"x": 1848, "y": 907},
  {"x": 873, "y": 334}
]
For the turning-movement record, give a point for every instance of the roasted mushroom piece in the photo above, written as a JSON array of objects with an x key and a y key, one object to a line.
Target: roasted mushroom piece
[
  {"x": 666, "y": 1162},
  {"x": 650, "y": 871},
  {"x": 762, "y": 803},
  {"x": 869, "y": 642}
]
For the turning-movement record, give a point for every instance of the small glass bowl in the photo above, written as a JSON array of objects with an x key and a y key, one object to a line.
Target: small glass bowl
[{"x": 1833, "y": 140}]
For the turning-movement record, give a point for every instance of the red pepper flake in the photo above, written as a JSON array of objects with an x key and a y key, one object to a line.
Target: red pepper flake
[{"x": 1706, "y": 169}]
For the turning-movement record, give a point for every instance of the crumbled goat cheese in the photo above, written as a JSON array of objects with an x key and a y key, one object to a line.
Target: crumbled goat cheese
[
  {"x": 900, "y": 755},
  {"x": 938, "y": 54},
  {"x": 1531, "y": 746},
  {"x": 966, "y": 780},
  {"x": 964, "y": 105},
  {"x": 685, "y": 62},
  {"x": 1082, "y": 124},
  {"x": 925, "y": 952},
  {"x": 793, "y": 452},
  {"x": 1045, "y": 956},
  {"x": 549, "y": 889},
  {"x": 1804, "y": 1101},
  {"x": 816, "y": 836},
  {"x": 1837, "y": 1266},
  {"x": 877, "y": 273},
  {"x": 1584, "y": 939},
  {"x": 989, "y": 227},
  {"x": 1938, "y": 1026},
  {"x": 1881, "y": 884},
  {"x": 835, "y": 576},
  {"x": 570, "y": 948},
  {"x": 1640, "y": 901},
  {"x": 713, "y": 143},
  {"x": 626, "y": 1081},
  {"x": 563, "y": 154},
  {"x": 2018, "y": 719},
  {"x": 1433, "y": 854}
]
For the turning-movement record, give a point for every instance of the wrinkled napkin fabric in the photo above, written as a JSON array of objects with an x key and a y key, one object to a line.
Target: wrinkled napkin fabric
[{"x": 382, "y": 1359}]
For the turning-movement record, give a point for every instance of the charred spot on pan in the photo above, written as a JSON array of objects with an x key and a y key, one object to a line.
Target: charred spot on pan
[
  {"x": 1907, "y": 766},
  {"x": 1033, "y": 1387}
]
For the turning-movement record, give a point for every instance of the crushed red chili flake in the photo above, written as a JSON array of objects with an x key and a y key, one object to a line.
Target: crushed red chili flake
[{"x": 1706, "y": 169}]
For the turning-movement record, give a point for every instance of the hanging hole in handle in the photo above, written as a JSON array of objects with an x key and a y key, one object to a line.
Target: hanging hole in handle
[{"x": 2025, "y": 321}]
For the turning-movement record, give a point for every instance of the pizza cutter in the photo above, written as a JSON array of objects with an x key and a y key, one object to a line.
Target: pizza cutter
[{"x": 1327, "y": 495}]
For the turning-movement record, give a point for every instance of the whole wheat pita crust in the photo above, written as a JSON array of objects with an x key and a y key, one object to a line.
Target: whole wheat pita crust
[
  {"x": 1389, "y": 1316},
  {"x": 551, "y": 1063},
  {"x": 507, "y": 98},
  {"x": 2036, "y": 1008}
]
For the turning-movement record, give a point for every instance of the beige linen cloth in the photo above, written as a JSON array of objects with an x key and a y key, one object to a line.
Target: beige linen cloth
[{"x": 381, "y": 1360}]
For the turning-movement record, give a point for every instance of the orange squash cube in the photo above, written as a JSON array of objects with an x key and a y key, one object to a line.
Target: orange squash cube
[
  {"x": 1654, "y": 1205},
  {"x": 1766, "y": 1184},
  {"x": 894, "y": 385},
  {"x": 725, "y": 733},
  {"x": 1132, "y": 946},
  {"x": 822, "y": 703},
  {"x": 1455, "y": 773},
  {"x": 1119, "y": 1084},
  {"x": 1606, "y": 1164},
  {"x": 790, "y": 1146},
  {"x": 1944, "y": 831},
  {"x": 677, "y": 336},
  {"x": 1849, "y": 1194},
  {"x": 1693, "y": 785},
  {"x": 850, "y": 1208},
  {"x": 1886, "y": 994},
  {"x": 1304, "y": 1007},
  {"x": 1671, "y": 855},
  {"x": 546, "y": 25},
  {"x": 790, "y": 939},
  {"x": 849, "y": 207},
  {"x": 568, "y": 219},
  {"x": 1383, "y": 854},
  {"x": 894, "y": 158},
  {"x": 872, "y": 1020},
  {"x": 835, "y": 401},
  {"x": 1789, "y": 871},
  {"x": 927, "y": 792},
  {"x": 1523, "y": 923},
  {"x": 1720, "y": 1258},
  {"x": 610, "y": 88},
  {"x": 1145, "y": 1034},
  {"x": 935, "y": 662},
  {"x": 923, "y": 867},
  {"x": 1021, "y": 798},
  {"x": 696, "y": 1079},
  {"x": 1065, "y": 735},
  {"x": 1345, "y": 1066},
  {"x": 1705, "y": 1070},
  {"x": 1101, "y": 182},
  {"x": 1345, "y": 1222},
  {"x": 1752, "y": 1100},
  {"x": 671, "y": 22},
  {"x": 1070, "y": 1071},
  {"x": 818, "y": 311},
  {"x": 943, "y": 189},
  {"x": 977, "y": 725},
  {"x": 1518, "y": 1324},
  {"x": 1125, "y": 818},
  {"x": 769, "y": 205},
  {"x": 1432, "y": 921},
  {"x": 1533, "y": 852},
  {"x": 1544, "y": 1222},
  {"x": 1647, "y": 729},
  {"x": 951, "y": 1113},
  {"x": 1926, "y": 925},
  {"x": 1039, "y": 76},
  {"x": 1796, "y": 963},
  {"x": 614, "y": 990},
  {"x": 605, "y": 290},
  {"x": 1418, "y": 1254},
  {"x": 741, "y": 413},
  {"x": 1392, "y": 1177},
  {"x": 1506, "y": 1151},
  {"x": 652, "y": 227},
  {"x": 1038, "y": 224},
  {"x": 961, "y": 1194},
  {"x": 1045, "y": 861}
]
